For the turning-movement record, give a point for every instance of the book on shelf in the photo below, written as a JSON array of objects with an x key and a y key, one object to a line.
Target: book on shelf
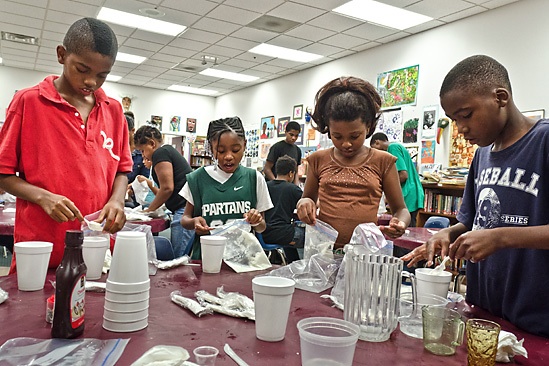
[{"x": 439, "y": 203}]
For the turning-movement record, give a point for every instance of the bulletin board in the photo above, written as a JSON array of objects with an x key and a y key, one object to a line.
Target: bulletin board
[{"x": 461, "y": 151}]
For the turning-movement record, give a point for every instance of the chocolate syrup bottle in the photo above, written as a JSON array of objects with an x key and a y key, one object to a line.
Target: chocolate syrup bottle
[{"x": 70, "y": 288}]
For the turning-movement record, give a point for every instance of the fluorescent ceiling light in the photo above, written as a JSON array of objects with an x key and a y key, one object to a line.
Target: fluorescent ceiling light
[
  {"x": 228, "y": 75},
  {"x": 112, "y": 77},
  {"x": 381, "y": 14},
  {"x": 190, "y": 89},
  {"x": 140, "y": 22},
  {"x": 126, "y": 57},
  {"x": 1, "y": 60},
  {"x": 284, "y": 53}
]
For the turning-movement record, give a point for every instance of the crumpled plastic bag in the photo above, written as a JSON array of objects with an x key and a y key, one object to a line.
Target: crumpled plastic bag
[
  {"x": 3, "y": 295},
  {"x": 243, "y": 253},
  {"x": 163, "y": 355},
  {"x": 509, "y": 346},
  {"x": 315, "y": 274},
  {"x": 319, "y": 239},
  {"x": 140, "y": 190},
  {"x": 366, "y": 238}
]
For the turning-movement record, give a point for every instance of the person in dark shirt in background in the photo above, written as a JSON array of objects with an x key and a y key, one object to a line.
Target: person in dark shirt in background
[
  {"x": 284, "y": 147},
  {"x": 281, "y": 228},
  {"x": 139, "y": 167}
]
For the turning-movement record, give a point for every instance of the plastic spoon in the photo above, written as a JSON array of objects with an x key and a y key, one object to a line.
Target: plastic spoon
[
  {"x": 95, "y": 226},
  {"x": 442, "y": 266}
]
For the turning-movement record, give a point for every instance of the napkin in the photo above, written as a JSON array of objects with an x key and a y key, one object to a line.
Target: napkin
[{"x": 508, "y": 346}]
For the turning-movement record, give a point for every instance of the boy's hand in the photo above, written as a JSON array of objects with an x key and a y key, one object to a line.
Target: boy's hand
[
  {"x": 201, "y": 226},
  {"x": 60, "y": 208},
  {"x": 439, "y": 242},
  {"x": 306, "y": 211},
  {"x": 114, "y": 216},
  {"x": 474, "y": 245}
]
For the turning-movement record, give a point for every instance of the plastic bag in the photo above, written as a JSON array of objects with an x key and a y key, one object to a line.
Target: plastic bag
[
  {"x": 366, "y": 238},
  {"x": 315, "y": 274},
  {"x": 243, "y": 253},
  {"x": 140, "y": 190},
  {"x": 163, "y": 355},
  {"x": 319, "y": 239},
  {"x": 60, "y": 352}
]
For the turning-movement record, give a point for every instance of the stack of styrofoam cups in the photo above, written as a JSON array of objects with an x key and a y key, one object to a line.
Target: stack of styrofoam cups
[{"x": 127, "y": 291}]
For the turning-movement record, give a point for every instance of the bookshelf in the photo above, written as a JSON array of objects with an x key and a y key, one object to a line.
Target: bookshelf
[
  {"x": 199, "y": 155},
  {"x": 440, "y": 200}
]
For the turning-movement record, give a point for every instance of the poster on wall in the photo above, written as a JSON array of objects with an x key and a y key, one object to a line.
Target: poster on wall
[
  {"x": 414, "y": 152},
  {"x": 252, "y": 145},
  {"x": 264, "y": 148},
  {"x": 175, "y": 124},
  {"x": 461, "y": 151},
  {"x": 428, "y": 151},
  {"x": 282, "y": 122},
  {"x": 398, "y": 87},
  {"x": 390, "y": 123},
  {"x": 428, "y": 124},
  {"x": 156, "y": 121},
  {"x": 191, "y": 125},
  {"x": 409, "y": 131},
  {"x": 267, "y": 127}
]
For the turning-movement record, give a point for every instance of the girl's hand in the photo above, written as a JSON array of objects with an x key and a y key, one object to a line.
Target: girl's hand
[
  {"x": 395, "y": 229},
  {"x": 141, "y": 178},
  {"x": 253, "y": 217},
  {"x": 200, "y": 226},
  {"x": 306, "y": 211}
]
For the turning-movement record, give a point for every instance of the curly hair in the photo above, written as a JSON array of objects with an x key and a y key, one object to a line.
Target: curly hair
[
  {"x": 146, "y": 133},
  {"x": 285, "y": 164},
  {"x": 91, "y": 34},
  {"x": 477, "y": 74},
  {"x": 346, "y": 99},
  {"x": 219, "y": 126}
]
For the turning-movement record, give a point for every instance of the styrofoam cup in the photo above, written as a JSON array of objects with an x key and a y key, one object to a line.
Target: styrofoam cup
[
  {"x": 212, "y": 248},
  {"x": 327, "y": 341},
  {"x": 432, "y": 283},
  {"x": 126, "y": 297},
  {"x": 129, "y": 260},
  {"x": 93, "y": 251},
  {"x": 125, "y": 316},
  {"x": 128, "y": 288},
  {"x": 125, "y": 327},
  {"x": 126, "y": 307},
  {"x": 32, "y": 259},
  {"x": 272, "y": 300}
]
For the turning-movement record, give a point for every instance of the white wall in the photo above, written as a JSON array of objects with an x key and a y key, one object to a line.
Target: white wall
[
  {"x": 145, "y": 101},
  {"x": 515, "y": 35}
]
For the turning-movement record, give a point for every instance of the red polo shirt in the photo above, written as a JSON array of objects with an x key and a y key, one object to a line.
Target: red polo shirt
[{"x": 45, "y": 140}]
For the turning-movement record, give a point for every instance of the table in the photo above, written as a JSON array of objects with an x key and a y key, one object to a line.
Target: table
[
  {"x": 414, "y": 237},
  {"x": 157, "y": 224},
  {"x": 23, "y": 315}
]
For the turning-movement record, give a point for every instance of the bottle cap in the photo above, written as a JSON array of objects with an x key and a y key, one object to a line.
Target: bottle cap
[{"x": 74, "y": 238}]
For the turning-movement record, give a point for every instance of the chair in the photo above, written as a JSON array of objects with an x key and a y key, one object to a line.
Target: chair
[
  {"x": 164, "y": 249},
  {"x": 437, "y": 222},
  {"x": 270, "y": 248}
]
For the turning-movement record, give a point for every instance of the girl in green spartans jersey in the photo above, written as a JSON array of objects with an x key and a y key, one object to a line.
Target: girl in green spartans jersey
[{"x": 226, "y": 190}]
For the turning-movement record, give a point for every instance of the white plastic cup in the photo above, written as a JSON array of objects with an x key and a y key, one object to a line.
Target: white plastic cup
[
  {"x": 32, "y": 259},
  {"x": 432, "y": 283},
  {"x": 272, "y": 300},
  {"x": 93, "y": 251},
  {"x": 327, "y": 341},
  {"x": 205, "y": 355},
  {"x": 129, "y": 262},
  {"x": 212, "y": 248}
]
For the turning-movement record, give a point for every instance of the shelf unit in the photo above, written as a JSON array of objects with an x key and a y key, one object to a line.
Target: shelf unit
[
  {"x": 199, "y": 155},
  {"x": 440, "y": 200}
]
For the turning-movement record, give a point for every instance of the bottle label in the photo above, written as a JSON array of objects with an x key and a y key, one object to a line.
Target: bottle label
[{"x": 77, "y": 302}]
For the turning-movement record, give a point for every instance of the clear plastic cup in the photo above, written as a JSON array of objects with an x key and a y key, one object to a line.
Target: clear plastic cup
[
  {"x": 32, "y": 262},
  {"x": 93, "y": 251},
  {"x": 327, "y": 341},
  {"x": 205, "y": 355}
]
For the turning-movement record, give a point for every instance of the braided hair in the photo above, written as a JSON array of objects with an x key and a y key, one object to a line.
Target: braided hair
[
  {"x": 219, "y": 126},
  {"x": 346, "y": 99},
  {"x": 146, "y": 133}
]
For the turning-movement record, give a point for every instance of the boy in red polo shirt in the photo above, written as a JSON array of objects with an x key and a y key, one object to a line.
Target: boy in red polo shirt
[{"x": 64, "y": 144}]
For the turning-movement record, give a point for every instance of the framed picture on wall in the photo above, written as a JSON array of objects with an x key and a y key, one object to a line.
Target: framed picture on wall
[
  {"x": 298, "y": 111},
  {"x": 282, "y": 122},
  {"x": 267, "y": 127},
  {"x": 300, "y": 138},
  {"x": 398, "y": 87}
]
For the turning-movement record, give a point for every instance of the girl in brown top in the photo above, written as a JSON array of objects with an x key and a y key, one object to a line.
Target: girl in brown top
[{"x": 349, "y": 179}]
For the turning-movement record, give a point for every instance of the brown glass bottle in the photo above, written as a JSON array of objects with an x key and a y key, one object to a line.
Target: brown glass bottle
[{"x": 70, "y": 288}]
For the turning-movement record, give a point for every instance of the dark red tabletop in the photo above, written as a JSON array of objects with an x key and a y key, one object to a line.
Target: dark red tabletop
[
  {"x": 7, "y": 219},
  {"x": 23, "y": 315}
]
